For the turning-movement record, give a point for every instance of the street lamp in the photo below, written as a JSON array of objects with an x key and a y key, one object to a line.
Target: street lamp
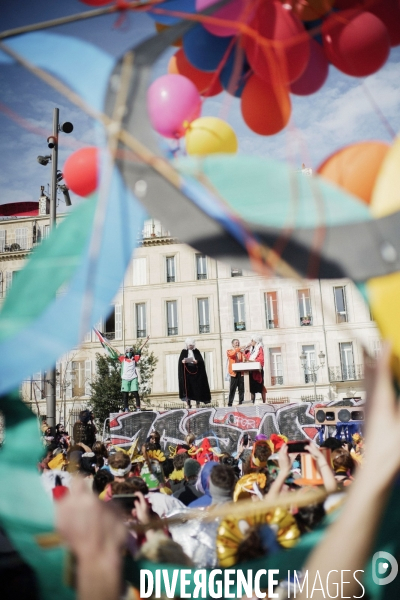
[
  {"x": 56, "y": 176},
  {"x": 312, "y": 367}
]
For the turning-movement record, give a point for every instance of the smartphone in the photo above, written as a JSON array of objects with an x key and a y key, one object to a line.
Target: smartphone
[
  {"x": 297, "y": 447},
  {"x": 245, "y": 441}
]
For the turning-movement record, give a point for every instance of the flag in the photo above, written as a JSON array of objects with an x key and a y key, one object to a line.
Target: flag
[{"x": 112, "y": 352}]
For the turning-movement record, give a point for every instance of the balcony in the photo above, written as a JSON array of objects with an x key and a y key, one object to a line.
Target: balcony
[
  {"x": 204, "y": 329},
  {"x": 170, "y": 278},
  {"x": 276, "y": 379},
  {"x": 172, "y": 331},
  {"x": 12, "y": 245},
  {"x": 141, "y": 333},
  {"x": 346, "y": 373},
  {"x": 109, "y": 335},
  {"x": 240, "y": 326},
  {"x": 201, "y": 275}
]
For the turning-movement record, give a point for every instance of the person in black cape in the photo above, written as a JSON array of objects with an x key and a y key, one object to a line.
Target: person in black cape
[{"x": 193, "y": 381}]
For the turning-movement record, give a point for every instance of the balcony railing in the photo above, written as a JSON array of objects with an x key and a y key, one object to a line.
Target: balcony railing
[
  {"x": 240, "y": 326},
  {"x": 276, "y": 379},
  {"x": 170, "y": 278},
  {"x": 204, "y": 329},
  {"x": 346, "y": 373},
  {"x": 14, "y": 244},
  {"x": 109, "y": 335},
  {"x": 201, "y": 275},
  {"x": 272, "y": 324},
  {"x": 141, "y": 333},
  {"x": 172, "y": 331},
  {"x": 236, "y": 272}
]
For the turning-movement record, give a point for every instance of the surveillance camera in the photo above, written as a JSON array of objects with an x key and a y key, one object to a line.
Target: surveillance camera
[
  {"x": 65, "y": 192},
  {"x": 51, "y": 141},
  {"x": 43, "y": 160}
]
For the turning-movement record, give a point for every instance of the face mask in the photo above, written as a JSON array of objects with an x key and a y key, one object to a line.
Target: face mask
[{"x": 129, "y": 354}]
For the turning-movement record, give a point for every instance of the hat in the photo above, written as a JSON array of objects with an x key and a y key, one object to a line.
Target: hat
[{"x": 191, "y": 468}]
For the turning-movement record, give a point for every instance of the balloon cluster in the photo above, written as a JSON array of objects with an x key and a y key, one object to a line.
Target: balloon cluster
[{"x": 262, "y": 51}]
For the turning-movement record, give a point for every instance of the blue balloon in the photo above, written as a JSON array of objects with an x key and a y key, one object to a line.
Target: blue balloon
[
  {"x": 204, "y": 50},
  {"x": 187, "y": 6},
  {"x": 233, "y": 76}
]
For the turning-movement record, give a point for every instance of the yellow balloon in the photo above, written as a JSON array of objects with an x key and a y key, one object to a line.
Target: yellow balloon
[
  {"x": 210, "y": 135},
  {"x": 384, "y": 292}
]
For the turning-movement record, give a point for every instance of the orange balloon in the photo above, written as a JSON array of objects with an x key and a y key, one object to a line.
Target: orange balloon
[
  {"x": 355, "y": 167},
  {"x": 266, "y": 108},
  {"x": 161, "y": 27},
  {"x": 207, "y": 83}
]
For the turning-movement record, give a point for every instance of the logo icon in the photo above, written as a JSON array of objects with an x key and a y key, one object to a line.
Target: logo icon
[{"x": 384, "y": 568}]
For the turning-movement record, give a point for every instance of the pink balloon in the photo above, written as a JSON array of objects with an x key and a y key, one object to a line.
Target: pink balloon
[
  {"x": 315, "y": 74},
  {"x": 173, "y": 102},
  {"x": 232, "y": 12}
]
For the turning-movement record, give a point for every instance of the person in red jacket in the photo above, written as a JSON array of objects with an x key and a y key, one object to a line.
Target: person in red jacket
[
  {"x": 235, "y": 355},
  {"x": 255, "y": 353}
]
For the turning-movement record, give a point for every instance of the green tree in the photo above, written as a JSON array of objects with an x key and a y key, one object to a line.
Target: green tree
[{"x": 106, "y": 395}]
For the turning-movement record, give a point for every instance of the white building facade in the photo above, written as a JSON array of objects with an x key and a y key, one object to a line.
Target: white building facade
[{"x": 171, "y": 292}]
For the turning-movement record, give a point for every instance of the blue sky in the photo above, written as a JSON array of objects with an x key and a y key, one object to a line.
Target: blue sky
[{"x": 339, "y": 114}]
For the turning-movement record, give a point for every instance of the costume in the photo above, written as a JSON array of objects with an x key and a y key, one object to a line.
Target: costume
[
  {"x": 129, "y": 377},
  {"x": 256, "y": 377},
  {"x": 193, "y": 381},
  {"x": 237, "y": 379}
]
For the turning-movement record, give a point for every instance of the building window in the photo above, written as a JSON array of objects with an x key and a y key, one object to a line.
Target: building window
[
  {"x": 3, "y": 238},
  {"x": 170, "y": 266},
  {"x": 304, "y": 301},
  {"x": 347, "y": 361},
  {"x": 271, "y": 310},
  {"x": 204, "y": 315},
  {"x": 78, "y": 377},
  {"x": 239, "y": 319},
  {"x": 236, "y": 272},
  {"x": 1, "y": 284},
  {"x": 340, "y": 304},
  {"x": 309, "y": 376},
  {"x": 139, "y": 271},
  {"x": 201, "y": 266},
  {"x": 9, "y": 278},
  {"x": 46, "y": 231},
  {"x": 141, "y": 329},
  {"x": 275, "y": 361},
  {"x": 21, "y": 237},
  {"x": 172, "y": 318},
  {"x": 109, "y": 326}
]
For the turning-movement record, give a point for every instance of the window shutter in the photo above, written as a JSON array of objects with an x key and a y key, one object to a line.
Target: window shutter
[
  {"x": 21, "y": 237},
  {"x": 118, "y": 321},
  {"x": 9, "y": 276},
  {"x": 209, "y": 365},
  {"x": 68, "y": 381},
  {"x": 88, "y": 336},
  {"x": 88, "y": 377},
  {"x": 1, "y": 284},
  {"x": 58, "y": 379},
  {"x": 139, "y": 271},
  {"x": 171, "y": 361},
  {"x": 2, "y": 239}
]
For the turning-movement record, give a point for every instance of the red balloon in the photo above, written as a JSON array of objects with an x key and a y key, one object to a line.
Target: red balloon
[
  {"x": 96, "y": 2},
  {"x": 203, "y": 80},
  {"x": 81, "y": 171},
  {"x": 265, "y": 108},
  {"x": 357, "y": 43},
  {"x": 287, "y": 60},
  {"x": 315, "y": 74}
]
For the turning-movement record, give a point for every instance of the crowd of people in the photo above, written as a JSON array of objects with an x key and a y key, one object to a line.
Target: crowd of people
[{"x": 173, "y": 505}]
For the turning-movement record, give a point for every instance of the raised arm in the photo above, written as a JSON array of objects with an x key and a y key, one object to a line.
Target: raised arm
[{"x": 349, "y": 541}]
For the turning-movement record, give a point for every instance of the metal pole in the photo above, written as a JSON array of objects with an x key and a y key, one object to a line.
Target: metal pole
[
  {"x": 315, "y": 382},
  {"x": 51, "y": 374}
]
